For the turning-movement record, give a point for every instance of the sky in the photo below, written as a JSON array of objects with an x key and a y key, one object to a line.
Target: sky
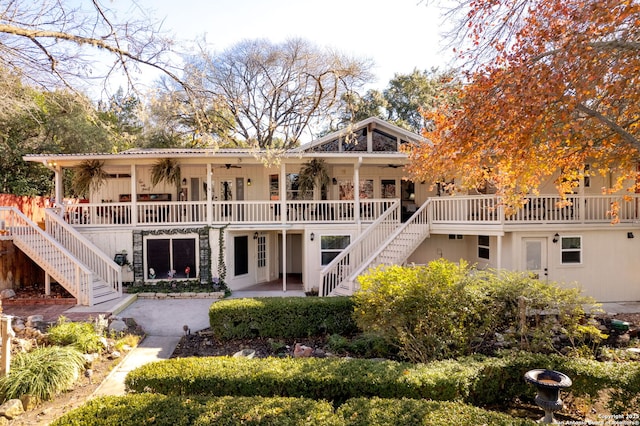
[{"x": 398, "y": 35}]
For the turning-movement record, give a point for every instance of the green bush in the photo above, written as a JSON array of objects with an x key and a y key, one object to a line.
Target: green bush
[
  {"x": 366, "y": 345},
  {"x": 80, "y": 335},
  {"x": 281, "y": 317},
  {"x": 501, "y": 379},
  {"x": 479, "y": 381},
  {"x": 411, "y": 412},
  {"x": 42, "y": 373},
  {"x": 331, "y": 379},
  {"x": 160, "y": 410},
  {"x": 447, "y": 310}
]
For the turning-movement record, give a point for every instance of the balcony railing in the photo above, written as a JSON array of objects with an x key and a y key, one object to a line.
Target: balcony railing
[
  {"x": 219, "y": 212},
  {"x": 540, "y": 210}
]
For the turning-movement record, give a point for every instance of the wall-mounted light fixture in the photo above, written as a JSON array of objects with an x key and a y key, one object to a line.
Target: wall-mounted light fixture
[
  {"x": 312, "y": 236},
  {"x": 255, "y": 235},
  {"x": 249, "y": 182},
  {"x": 556, "y": 238},
  {"x": 629, "y": 234},
  {"x": 184, "y": 181},
  {"x": 334, "y": 181}
]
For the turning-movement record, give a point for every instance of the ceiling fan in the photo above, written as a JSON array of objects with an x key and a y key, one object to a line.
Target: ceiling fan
[
  {"x": 229, "y": 166},
  {"x": 393, "y": 166}
]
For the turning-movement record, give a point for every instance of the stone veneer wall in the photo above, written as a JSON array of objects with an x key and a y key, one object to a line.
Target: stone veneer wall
[{"x": 203, "y": 243}]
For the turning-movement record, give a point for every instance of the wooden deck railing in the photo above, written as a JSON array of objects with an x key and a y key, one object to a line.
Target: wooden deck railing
[
  {"x": 88, "y": 253},
  {"x": 52, "y": 256},
  {"x": 543, "y": 209},
  {"x": 367, "y": 243},
  {"x": 234, "y": 212}
]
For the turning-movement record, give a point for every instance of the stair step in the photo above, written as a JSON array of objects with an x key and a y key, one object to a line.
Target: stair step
[{"x": 105, "y": 297}]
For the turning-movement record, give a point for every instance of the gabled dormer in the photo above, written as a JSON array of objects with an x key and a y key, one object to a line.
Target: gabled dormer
[{"x": 371, "y": 135}]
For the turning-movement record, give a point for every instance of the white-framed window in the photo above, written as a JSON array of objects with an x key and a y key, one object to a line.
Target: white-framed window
[
  {"x": 262, "y": 251},
  {"x": 483, "y": 247},
  {"x": 571, "y": 250},
  {"x": 331, "y": 246},
  {"x": 171, "y": 256}
]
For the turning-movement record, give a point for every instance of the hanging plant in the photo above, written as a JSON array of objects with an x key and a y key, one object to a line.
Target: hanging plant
[
  {"x": 88, "y": 175},
  {"x": 166, "y": 170},
  {"x": 313, "y": 175}
]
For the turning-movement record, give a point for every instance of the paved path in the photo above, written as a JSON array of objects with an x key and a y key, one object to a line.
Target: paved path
[{"x": 163, "y": 322}]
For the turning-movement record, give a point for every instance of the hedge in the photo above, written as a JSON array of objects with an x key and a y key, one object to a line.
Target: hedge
[
  {"x": 161, "y": 410},
  {"x": 335, "y": 379},
  {"x": 410, "y": 412},
  {"x": 282, "y": 317},
  {"x": 478, "y": 381}
]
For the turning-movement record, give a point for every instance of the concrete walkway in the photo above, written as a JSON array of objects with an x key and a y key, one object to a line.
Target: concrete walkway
[{"x": 163, "y": 322}]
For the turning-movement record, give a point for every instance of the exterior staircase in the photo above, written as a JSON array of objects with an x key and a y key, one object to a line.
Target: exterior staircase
[
  {"x": 65, "y": 256},
  {"x": 339, "y": 277}
]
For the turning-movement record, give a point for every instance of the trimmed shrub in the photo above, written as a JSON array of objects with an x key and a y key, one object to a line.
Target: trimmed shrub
[
  {"x": 282, "y": 317},
  {"x": 501, "y": 379},
  {"x": 475, "y": 380},
  {"x": 42, "y": 373},
  {"x": 80, "y": 335},
  {"x": 161, "y": 410},
  {"x": 331, "y": 379},
  {"x": 411, "y": 412},
  {"x": 447, "y": 310}
]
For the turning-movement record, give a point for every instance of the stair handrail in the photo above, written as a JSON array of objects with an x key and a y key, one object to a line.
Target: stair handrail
[
  {"x": 420, "y": 217},
  {"x": 340, "y": 267},
  {"x": 78, "y": 283},
  {"x": 89, "y": 254}
]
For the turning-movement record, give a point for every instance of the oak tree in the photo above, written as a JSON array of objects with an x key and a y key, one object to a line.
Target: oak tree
[
  {"x": 267, "y": 95},
  {"x": 552, "y": 85},
  {"x": 405, "y": 99}
]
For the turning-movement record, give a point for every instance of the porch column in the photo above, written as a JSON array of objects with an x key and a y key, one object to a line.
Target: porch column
[
  {"x": 134, "y": 196},
  {"x": 284, "y": 259},
  {"x": 282, "y": 188},
  {"x": 59, "y": 186},
  {"x": 209, "y": 196},
  {"x": 499, "y": 255},
  {"x": 47, "y": 284},
  {"x": 356, "y": 190},
  {"x": 283, "y": 193}
]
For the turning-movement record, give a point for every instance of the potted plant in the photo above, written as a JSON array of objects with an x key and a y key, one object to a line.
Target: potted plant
[
  {"x": 167, "y": 170},
  {"x": 88, "y": 175},
  {"x": 313, "y": 175}
]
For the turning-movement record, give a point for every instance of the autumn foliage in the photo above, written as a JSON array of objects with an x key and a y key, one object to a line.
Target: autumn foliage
[{"x": 561, "y": 89}]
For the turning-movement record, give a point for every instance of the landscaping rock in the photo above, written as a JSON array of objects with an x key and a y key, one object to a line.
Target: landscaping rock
[
  {"x": 7, "y": 293},
  {"x": 245, "y": 353},
  {"x": 18, "y": 326},
  {"x": 34, "y": 320},
  {"x": 302, "y": 351},
  {"x": 28, "y": 402},
  {"x": 11, "y": 409},
  {"x": 118, "y": 326}
]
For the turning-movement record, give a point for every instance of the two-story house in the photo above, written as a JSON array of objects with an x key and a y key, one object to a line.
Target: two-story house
[{"x": 232, "y": 214}]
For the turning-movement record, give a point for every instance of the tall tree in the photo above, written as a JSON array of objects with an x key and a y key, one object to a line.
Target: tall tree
[
  {"x": 270, "y": 94},
  {"x": 552, "y": 85},
  {"x": 405, "y": 99},
  {"x": 49, "y": 43},
  {"x": 56, "y": 122}
]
